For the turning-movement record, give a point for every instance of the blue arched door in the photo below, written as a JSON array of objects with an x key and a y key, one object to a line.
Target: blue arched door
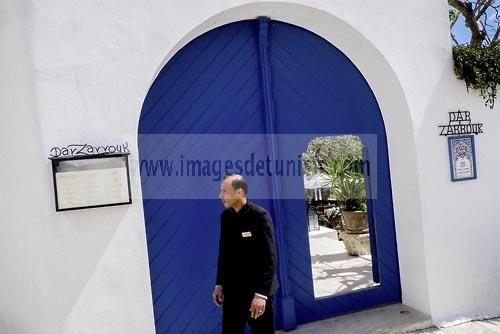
[{"x": 216, "y": 100}]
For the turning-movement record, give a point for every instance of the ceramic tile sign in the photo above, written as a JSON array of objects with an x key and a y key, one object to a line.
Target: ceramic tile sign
[{"x": 462, "y": 158}]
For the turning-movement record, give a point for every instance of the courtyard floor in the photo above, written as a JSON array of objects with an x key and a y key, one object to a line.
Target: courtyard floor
[{"x": 335, "y": 271}]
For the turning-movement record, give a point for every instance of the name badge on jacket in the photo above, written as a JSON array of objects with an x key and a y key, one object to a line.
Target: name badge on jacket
[{"x": 246, "y": 234}]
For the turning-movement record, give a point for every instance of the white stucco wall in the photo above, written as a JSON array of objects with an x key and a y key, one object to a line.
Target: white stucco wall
[
  {"x": 460, "y": 218},
  {"x": 24, "y": 290},
  {"x": 77, "y": 72}
]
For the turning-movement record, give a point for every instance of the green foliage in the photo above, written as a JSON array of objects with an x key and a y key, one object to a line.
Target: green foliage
[
  {"x": 453, "y": 15},
  {"x": 339, "y": 167},
  {"x": 350, "y": 191},
  {"x": 341, "y": 158},
  {"x": 309, "y": 197},
  {"x": 479, "y": 68},
  {"x": 331, "y": 213},
  {"x": 330, "y": 148},
  {"x": 329, "y": 216},
  {"x": 348, "y": 184}
]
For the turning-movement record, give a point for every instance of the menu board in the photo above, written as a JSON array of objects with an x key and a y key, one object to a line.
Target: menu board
[{"x": 90, "y": 182}]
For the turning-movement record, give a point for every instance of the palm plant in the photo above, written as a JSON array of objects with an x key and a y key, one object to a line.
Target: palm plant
[
  {"x": 338, "y": 168},
  {"x": 350, "y": 192},
  {"x": 348, "y": 184}
]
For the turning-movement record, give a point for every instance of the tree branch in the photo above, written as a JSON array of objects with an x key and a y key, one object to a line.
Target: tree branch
[
  {"x": 482, "y": 10},
  {"x": 466, "y": 9},
  {"x": 477, "y": 6},
  {"x": 486, "y": 37},
  {"x": 496, "y": 35}
]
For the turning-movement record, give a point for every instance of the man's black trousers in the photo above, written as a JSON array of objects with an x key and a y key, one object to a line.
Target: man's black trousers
[{"x": 236, "y": 314}]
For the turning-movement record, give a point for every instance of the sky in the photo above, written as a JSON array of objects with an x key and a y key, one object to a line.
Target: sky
[{"x": 462, "y": 33}]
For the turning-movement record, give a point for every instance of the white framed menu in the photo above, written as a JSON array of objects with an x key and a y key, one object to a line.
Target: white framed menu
[{"x": 91, "y": 181}]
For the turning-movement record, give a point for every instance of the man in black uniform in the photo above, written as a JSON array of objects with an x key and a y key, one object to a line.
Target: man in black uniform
[{"x": 246, "y": 268}]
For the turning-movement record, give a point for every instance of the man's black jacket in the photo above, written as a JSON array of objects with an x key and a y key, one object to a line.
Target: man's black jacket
[{"x": 247, "y": 251}]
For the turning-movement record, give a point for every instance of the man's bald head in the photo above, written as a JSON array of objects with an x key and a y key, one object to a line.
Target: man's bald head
[
  {"x": 233, "y": 190},
  {"x": 237, "y": 182}
]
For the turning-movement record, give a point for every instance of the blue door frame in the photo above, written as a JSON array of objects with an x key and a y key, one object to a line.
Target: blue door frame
[{"x": 257, "y": 77}]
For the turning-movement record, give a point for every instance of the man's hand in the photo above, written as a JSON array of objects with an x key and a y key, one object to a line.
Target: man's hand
[
  {"x": 258, "y": 307},
  {"x": 217, "y": 295}
]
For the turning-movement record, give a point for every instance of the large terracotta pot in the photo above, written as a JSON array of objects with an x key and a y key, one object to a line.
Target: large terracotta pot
[{"x": 356, "y": 222}]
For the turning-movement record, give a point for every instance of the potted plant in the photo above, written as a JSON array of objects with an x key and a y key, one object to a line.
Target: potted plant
[
  {"x": 332, "y": 216},
  {"x": 349, "y": 191}
]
